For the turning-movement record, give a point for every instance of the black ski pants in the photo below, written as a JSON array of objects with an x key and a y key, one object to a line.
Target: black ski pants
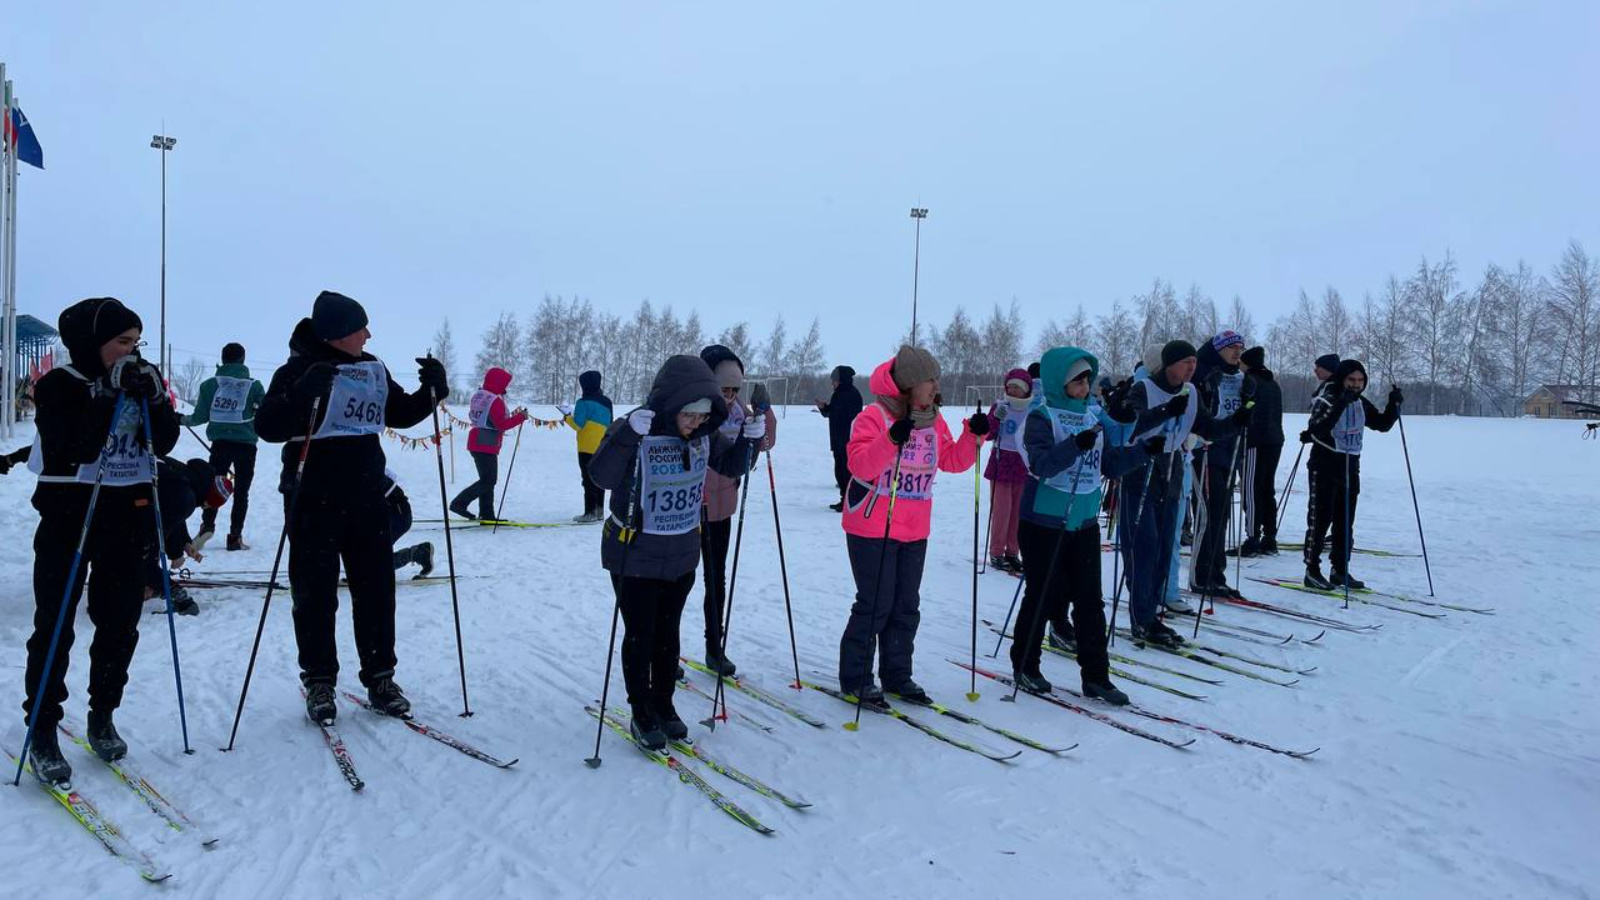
[
  {"x": 1061, "y": 570},
  {"x": 482, "y": 490},
  {"x": 714, "y": 540},
  {"x": 594, "y": 496},
  {"x": 651, "y": 610},
  {"x": 1261, "y": 492},
  {"x": 353, "y": 528},
  {"x": 1326, "y": 510},
  {"x": 240, "y": 459},
  {"x": 113, "y": 567}
]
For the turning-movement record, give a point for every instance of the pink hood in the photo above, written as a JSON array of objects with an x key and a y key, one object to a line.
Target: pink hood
[
  {"x": 496, "y": 380},
  {"x": 882, "y": 381}
]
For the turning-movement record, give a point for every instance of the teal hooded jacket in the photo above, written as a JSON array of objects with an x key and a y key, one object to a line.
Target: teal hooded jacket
[
  {"x": 240, "y": 432},
  {"x": 1043, "y": 504}
]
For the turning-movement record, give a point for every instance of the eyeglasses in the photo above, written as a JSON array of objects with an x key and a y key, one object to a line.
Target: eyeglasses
[{"x": 694, "y": 416}]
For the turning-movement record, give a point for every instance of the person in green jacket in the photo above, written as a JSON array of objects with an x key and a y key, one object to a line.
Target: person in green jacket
[{"x": 227, "y": 407}]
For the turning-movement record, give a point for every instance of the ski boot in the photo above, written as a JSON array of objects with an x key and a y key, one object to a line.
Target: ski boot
[
  {"x": 103, "y": 738},
  {"x": 385, "y": 696},
  {"x": 1015, "y": 562},
  {"x": 44, "y": 755},
  {"x": 1176, "y": 604},
  {"x": 1314, "y": 579},
  {"x": 720, "y": 664},
  {"x": 670, "y": 722},
  {"x": 463, "y": 512},
  {"x": 646, "y": 730},
  {"x": 870, "y": 695},
  {"x": 1106, "y": 692},
  {"x": 422, "y": 555},
  {"x": 236, "y": 542},
  {"x": 1062, "y": 640},
  {"x": 999, "y": 563},
  {"x": 1268, "y": 546},
  {"x": 320, "y": 705},
  {"x": 911, "y": 692},
  {"x": 183, "y": 603},
  {"x": 1339, "y": 579},
  {"x": 1033, "y": 684}
]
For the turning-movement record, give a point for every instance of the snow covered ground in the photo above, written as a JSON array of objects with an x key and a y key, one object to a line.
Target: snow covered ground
[{"x": 1458, "y": 757}]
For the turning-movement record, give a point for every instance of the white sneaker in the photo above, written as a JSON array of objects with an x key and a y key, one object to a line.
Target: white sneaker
[{"x": 1177, "y": 605}]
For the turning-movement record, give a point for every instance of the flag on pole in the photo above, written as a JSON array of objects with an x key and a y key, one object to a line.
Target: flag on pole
[{"x": 28, "y": 149}]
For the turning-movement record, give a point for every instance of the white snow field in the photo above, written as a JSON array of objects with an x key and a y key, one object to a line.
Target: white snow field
[{"x": 1460, "y": 757}]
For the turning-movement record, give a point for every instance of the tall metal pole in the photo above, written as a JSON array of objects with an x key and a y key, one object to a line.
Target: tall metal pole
[
  {"x": 164, "y": 143},
  {"x": 919, "y": 213}
]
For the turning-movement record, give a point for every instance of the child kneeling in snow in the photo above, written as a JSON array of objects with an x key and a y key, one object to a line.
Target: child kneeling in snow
[
  {"x": 897, "y": 446},
  {"x": 654, "y": 462}
]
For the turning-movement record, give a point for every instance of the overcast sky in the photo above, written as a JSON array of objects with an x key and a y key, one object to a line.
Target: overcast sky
[{"x": 744, "y": 159}]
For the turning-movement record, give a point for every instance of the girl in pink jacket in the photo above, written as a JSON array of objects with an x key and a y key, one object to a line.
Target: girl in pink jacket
[
  {"x": 490, "y": 421},
  {"x": 903, "y": 423}
]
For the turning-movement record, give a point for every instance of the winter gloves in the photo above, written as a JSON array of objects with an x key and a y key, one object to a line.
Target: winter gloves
[
  {"x": 135, "y": 377},
  {"x": 755, "y": 428},
  {"x": 978, "y": 424},
  {"x": 1175, "y": 407},
  {"x": 1085, "y": 439},
  {"x": 641, "y": 419},
  {"x": 1395, "y": 396},
  {"x": 1117, "y": 402},
  {"x": 431, "y": 373},
  {"x": 900, "y": 431},
  {"x": 1241, "y": 416},
  {"x": 316, "y": 381}
]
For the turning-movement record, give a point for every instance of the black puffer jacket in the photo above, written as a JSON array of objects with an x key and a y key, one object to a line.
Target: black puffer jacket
[
  {"x": 337, "y": 465},
  {"x": 842, "y": 409},
  {"x": 1266, "y": 423},
  {"x": 682, "y": 380}
]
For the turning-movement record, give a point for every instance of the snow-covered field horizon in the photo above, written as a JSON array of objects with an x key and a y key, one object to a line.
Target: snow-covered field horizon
[{"x": 1458, "y": 756}]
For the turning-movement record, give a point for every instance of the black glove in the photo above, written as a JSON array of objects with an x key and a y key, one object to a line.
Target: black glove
[
  {"x": 1175, "y": 407},
  {"x": 1305, "y": 437},
  {"x": 1085, "y": 439},
  {"x": 1156, "y": 445},
  {"x": 900, "y": 431},
  {"x": 316, "y": 381},
  {"x": 1395, "y": 397},
  {"x": 978, "y": 424},
  {"x": 1247, "y": 390},
  {"x": 1241, "y": 416},
  {"x": 1117, "y": 402},
  {"x": 431, "y": 373},
  {"x": 136, "y": 378}
]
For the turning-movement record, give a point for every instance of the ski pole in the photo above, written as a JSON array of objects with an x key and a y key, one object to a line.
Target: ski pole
[
  {"x": 66, "y": 595},
  {"x": 197, "y": 437},
  {"x": 988, "y": 532},
  {"x": 500, "y": 513},
  {"x": 1288, "y": 486},
  {"x": 720, "y": 695},
  {"x": 783, "y": 571},
  {"x": 161, "y": 563},
  {"x": 877, "y": 591},
  {"x": 625, "y": 533},
  {"x": 1007, "y": 623},
  {"x": 977, "y": 556},
  {"x": 1428, "y": 567},
  {"x": 1138, "y": 513},
  {"x": 1349, "y": 533},
  {"x": 450, "y": 549},
  {"x": 1233, "y": 471},
  {"x": 277, "y": 560}
]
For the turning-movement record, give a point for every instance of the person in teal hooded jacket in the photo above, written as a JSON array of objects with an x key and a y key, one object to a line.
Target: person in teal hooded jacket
[
  {"x": 227, "y": 407},
  {"x": 1067, "y": 454}
]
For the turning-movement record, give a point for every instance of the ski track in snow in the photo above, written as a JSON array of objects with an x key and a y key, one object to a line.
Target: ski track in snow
[{"x": 1458, "y": 756}]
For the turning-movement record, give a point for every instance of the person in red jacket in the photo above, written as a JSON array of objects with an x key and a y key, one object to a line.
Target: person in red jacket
[
  {"x": 903, "y": 423},
  {"x": 490, "y": 421}
]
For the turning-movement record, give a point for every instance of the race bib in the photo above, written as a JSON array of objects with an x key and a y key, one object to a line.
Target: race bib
[
  {"x": 1083, "y": 476},
  {"x": 919, "y": 463},
  {"x": 1347, "y": 435},
  {"x": 670, "y": 493},
  {"x": 125, "y": 461},
  {"x": 478, "y": 409},
  {"x": 356, "y": 403},
  {"x": 1011, "y": 429},
  {"x": 227, "y": 404},
  {"x": 1228, "y": 395}
]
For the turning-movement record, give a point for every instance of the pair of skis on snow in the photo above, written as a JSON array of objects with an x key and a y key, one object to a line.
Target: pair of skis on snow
[
  {"x": 346, "y": 763},
  {"x": 99, "y": 826}
]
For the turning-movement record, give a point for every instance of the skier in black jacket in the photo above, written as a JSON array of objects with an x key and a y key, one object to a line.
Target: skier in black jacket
[
  {"x": 1263, "y": 449},
  {"x": 841, "y": 410},
  {"x": 651, "y": 542},
  {"x": 341, "y": 512},
  {"x": 1223, "y": 393},
  {"x": 77, "y": 446},
  {"x": 1339, "y": 417}
]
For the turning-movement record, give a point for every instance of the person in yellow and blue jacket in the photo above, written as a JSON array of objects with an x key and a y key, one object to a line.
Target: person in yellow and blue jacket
[{"x": 589, "y": 417}]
